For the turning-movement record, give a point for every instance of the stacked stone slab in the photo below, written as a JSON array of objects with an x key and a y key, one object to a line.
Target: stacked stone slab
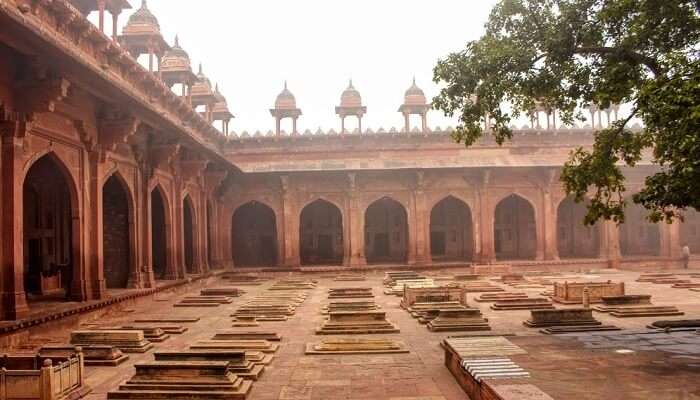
[
  {"x": 563, "y": 317},
  {"x": 364, "y": 322},
  {"x": 238, "y": 364},
  {"x": 204, "y": 301},
  {"x": 229, "y": 291},
  {"x": 480, "y": 287},
  {"x": 243, "y": 280},
  {"x": 467, "y": 319},
  {"x": 654, "y": 277},
  {"x": 342, "y": 306},
  {"x": 350, "y": 293},
  {"x": 98, "y": 356},
  {"x": 466, "y": 277},
  {"x": 167, "y": 320},
  {"x": 691, "y": 285},
  {"x": 276, "y": 307},
  {"x": 246, "y": 335},
  {"x": 572, "y": 292},
  {"x": 196, "y": 380},
  {"x": 356, "y": 346},
  {"x": 125, "y": 340},
  {"x": 443, "y": 294},
  {"x": 493, "y": 297},
  {"x": 398, "y": 288},
  {"x": 426, "y": 312},
  {"x": 391, "y": 277},
  {"x": 151, "y": 333},
  {"x": 349, "y": 278},
  {"x": 264, "y": 346},
  {"x": 631, "y": 306},
  {"x": 522, "y": 304},
  {"x": 170, "y": 329},
  {"x": 293, "y": 284}
]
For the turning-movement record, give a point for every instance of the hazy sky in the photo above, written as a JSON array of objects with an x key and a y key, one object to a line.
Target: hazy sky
[{"x": 251, "y": 47}]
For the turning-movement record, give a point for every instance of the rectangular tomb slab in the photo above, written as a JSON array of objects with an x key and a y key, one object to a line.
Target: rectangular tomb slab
[
  {"x": 167, "y": 320},
  {"x": 572, "y": 292},
  {"x": 356, "y": 346},
  {"x": 246, "y": 335},
  {"x": 126, "y": 340},
  {"x": 106, "y": 356},
  {"x": 563, "y": 317},
  {"x": 254, "y": 345}
]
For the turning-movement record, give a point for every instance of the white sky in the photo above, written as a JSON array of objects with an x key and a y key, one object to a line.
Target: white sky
[{"x": 250, "y": 47}]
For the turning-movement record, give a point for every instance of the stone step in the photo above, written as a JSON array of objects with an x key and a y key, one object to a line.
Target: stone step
[{"x": 559, "y": 330}]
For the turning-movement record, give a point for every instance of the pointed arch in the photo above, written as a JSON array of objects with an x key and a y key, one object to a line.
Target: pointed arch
[
  {"x": 51, "y": 229},
  {"x": 254, "y": 235},
  {"x": 386, "y": 232},
  {"x": 118, "y": 233},
  {"x": 321, "y": 233},
  {"x": 639, "y": 236},
  {"x": 451, "y": 230},
  {"x": 515, "y": 232},
  {"x": 161, "y": 237},
  {"x": 574, "y": 238}
]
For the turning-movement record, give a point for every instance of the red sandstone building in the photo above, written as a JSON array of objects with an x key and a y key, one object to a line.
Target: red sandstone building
[{"x": 113, "y": 176}]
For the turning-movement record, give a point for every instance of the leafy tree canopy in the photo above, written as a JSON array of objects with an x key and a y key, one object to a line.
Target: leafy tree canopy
[{"x": 569, "y": 54}]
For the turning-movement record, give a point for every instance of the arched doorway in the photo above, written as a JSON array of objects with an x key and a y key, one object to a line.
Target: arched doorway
[
  {"x": 690, "y": 230},
  {"x": 50, "y": 245},
  {"x": 116, "y": 233},
  {"x": 188, "y": 227},
  {"x": 451, "y": 232},
  {"x": 254, "y": 236},
  {"x": 639, "y": 236},
  {"x": 574, "y": 238},
  {"x": 386, "y": 232},
  {"x": 321, "y": 234},
  {"x": 159, "y": 234},
  {"x": 515, "y": 234}
]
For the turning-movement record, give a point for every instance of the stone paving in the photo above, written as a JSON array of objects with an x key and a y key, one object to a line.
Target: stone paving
[{"x": 630, "y": 364}]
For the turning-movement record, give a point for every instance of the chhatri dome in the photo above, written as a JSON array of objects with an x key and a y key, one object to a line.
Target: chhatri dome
[
  {"x": 285, "y": 100},
  {"x": 351, "y": 97},
  {"x": 203, "y": 86},
  {"x": 175, "y": 59},
  {"x": 142, "y": 21},
  {"x": 414, "y": 96}
]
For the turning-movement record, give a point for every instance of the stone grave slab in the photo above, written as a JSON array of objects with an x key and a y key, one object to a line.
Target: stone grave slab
[
  {"x": 238, "y": 363},
  {"x": 124, "y": 340},
  {"x": 228, "y": 291},
  {"x": 167, "y": 320},
  {"x": 469, "y": 319},
  {"x": 246, "y": 345},
  {"x": 247, "y": 335},
  {"x": 98, "y": 356},
  {"x": 572, "y": 292},
  {"x": 356, "y": 346},
  {"x": 562, "y": 317},
  {"x": 522, "y": 304},
  {"x": 366, "y": 322},
  {"x": 350, "y": 293}
]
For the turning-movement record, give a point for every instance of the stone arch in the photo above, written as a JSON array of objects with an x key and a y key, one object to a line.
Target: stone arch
[
  {"x": 254, "y": 235},
  {"x": 161, "y": 237},
  {"x": 515, "y": 230},
  {"x": 574, "y": 238},
  {"x": 51, "y": 229},
  {"x": 639, "y": 236},
  {"x": 386, "y": 231},
  {"x": 118, "y": 233},
  {"x": 321, "y": 233},
  {"x": 189, "y": 235},
  {"x": 690, "y": 230},
  {"x": 451, "y": 230}
]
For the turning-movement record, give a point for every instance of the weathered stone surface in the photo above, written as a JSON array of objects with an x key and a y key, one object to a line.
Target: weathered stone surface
[
  {"x": 356, "y": 346},
  {"x": 246, "y": 335},
  {"x": 522, "y": 304},
  {"x": 365, "y": 322},
  {"x": 469, "y": 319},
  {"x": 564, "y": 317},
  {"x": 572, "y": 292},
  {"x": 106, "y": 356},
  {"x": 126, "y": 340}
]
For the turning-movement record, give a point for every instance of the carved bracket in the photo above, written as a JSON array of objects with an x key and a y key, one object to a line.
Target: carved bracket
[
  {"x": 192, "y": 169},
  {"x": 113, "y": 132},
  {"x": 162, "y": 156},
  {"x": 41, "y": 95},
  {"x": 213, "y": 179}
]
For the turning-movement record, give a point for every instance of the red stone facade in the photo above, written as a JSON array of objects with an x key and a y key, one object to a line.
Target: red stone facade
[{"x": 112, "y": 179}]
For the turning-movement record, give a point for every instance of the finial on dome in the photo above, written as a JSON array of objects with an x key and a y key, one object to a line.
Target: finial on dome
[
  {"x": 177, "y": 40},
  {"x": 414, "y": 80},
  {"x": 144, "y": 4},
  {"x": 285, "y": 84},
  {"x": 201, "y": 72},
  {"x": 350, "y": 85}
]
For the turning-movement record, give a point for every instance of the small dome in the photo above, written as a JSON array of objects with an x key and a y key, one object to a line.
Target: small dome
[
  {"x": 142, "y": 20},
  {"x": 351, "y": 97},
  {"x": 415, "y": 95},
  {"x": 203, "y": 86},
  {"x": 175, "y": 59},
  {"x": 285, "y": 100}
]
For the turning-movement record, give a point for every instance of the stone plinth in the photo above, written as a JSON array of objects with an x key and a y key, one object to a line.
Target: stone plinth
[
  {"x": 238, "y": 363},
  {"x": 349, "y": 293},
  {"x": 103, "y": 356},
  {"x": 221, "y": 291},
  {"x": 125, "y": 340},
  {"x": 522, "y": 304},
  {"x": 469, "y": 319},
  {"x": 437, "y": 294},
  {"x": 572, "y": 292},
  {"x": 35, "y": 377},
  {"x": 247, "y": 335},
  {"x": 356, "y": 346},
  {"x": 492, "y": 297},
  {"x": 342, "y": 306},
  {"x": 566, "y": 317},
  {"x": 492, "y": 269},
  {"x": 365, "y": 322},
  {"x": 244, "y": 345}
]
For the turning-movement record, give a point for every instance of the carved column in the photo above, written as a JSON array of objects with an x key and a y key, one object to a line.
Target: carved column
[
  {"x": 93, "y": 206},
  {"x": 549, "y": 218},
  {"x": 486, "y": 218},
  {"x": 290, "y": 227},
  {"x": 14, "y": 300},
  {"x": 356, "y": 222},
  {"x": 421, "y": 221}
]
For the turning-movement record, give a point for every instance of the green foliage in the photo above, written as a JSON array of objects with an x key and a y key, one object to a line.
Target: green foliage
[{"x": 569, "y": 54}]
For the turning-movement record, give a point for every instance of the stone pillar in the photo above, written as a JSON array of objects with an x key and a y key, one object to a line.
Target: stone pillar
[
  {"x": 101, "y": 15},
  {"x": 671, "y": 239},
  {"x": 356, "y": 223},
  {"x": 178, "y": 267},
  {"x": 421, "y": 217},
  {"x": 610, "y": 243},
  {"x": 488, "y": 251},
  {"x": 13, "y": 298},
  {"x": 424, "y": 120},
  {"x": 290, "y": 227},
  {"x": 142, "y": 230},
  {"x": 93, "y": 206},
  {"x": 407, "y": 122},
  {"x": 549, "y": 216},
  {"x": 115, "y": 25}
]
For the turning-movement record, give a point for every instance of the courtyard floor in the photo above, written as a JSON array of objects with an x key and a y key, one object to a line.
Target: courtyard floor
[{"x": 587, "y": 366}]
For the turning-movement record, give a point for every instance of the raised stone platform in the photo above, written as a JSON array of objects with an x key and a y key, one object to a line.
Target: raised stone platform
[
  {"x": 356, "y": 346},
  {"x": 350, "y": 293},
  {"x": 125, "y": 340},
  {"x": 345, "y": 306},
  {"x": 432, "y": 295},
  {"x": 365, "y": 322},
  {"x": 98, "y": 356},
  {"x": 563, "y": 317},
  {"x": 522, "y": 304},
  {"x": 183, "y": 380},
  {"x": 572, "y": 292},
  {"x": 493, "y": 297},
  {"x": 681, "y": 323},
  {"x": 221, "y": 291},
  {"x": 246, "y": 335},
  {"x": 238, "y": 363},
  {"x": 562, "y": 330},
  {"x": 469, "y": 319},
  {"x": 244, "y": 345}
]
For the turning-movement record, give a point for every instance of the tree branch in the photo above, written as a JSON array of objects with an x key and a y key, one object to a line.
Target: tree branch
[{"x": 627, "y": 54}]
